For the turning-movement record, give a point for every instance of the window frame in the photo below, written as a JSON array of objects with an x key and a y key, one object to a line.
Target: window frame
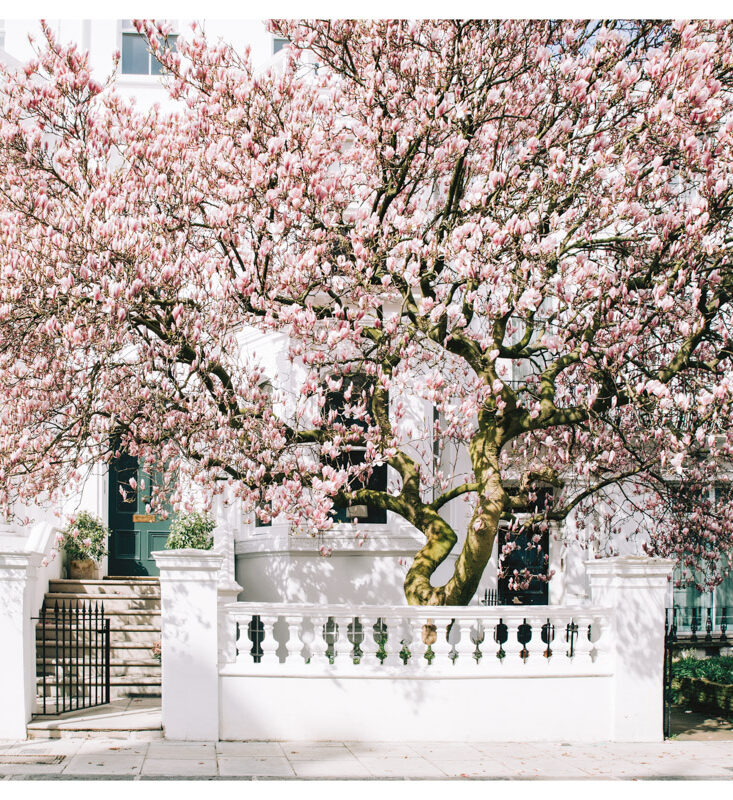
[{"x": 125, "y": 28}]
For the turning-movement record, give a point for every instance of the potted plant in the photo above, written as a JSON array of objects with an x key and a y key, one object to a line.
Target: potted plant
[
  {"x": 84, "y": 542},
  {"x": 191, "y": 531}
]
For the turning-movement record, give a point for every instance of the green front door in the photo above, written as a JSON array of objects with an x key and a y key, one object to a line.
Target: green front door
[{"x": 135, "y": 532}]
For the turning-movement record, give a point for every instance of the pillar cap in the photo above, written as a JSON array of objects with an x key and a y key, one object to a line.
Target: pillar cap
[
  {"x": 188, "y": 559},
  {"x": 630, "y": 566}
]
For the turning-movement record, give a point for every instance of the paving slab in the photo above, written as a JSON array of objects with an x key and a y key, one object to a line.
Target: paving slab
[
  {"x": 415, "y": 767},
  {"x": 245, "y": 766},
  {"x": 317, "y": 753},
  {"x": 9, "y": 770},
  {"x": 198, "y": 751},
  {"x": 380, "y": 749},
  {"x": 448, "y": 751},
  {"x": 106, "y": 764},
  {"x": 330, "y": 769},
  {"x": 179, "y": 767},
  {"x": 244, "y": 749},
  {"x": 111, "y": 747},
  {"x": 43, "y": 746}
]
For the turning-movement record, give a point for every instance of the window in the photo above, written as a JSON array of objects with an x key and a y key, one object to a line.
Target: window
[
  {"x": 335, "y": 401},
  {"x": 136, "y": 57},
  {"x": 278, "y": 43},
  {"x": 694, "y": 607}
]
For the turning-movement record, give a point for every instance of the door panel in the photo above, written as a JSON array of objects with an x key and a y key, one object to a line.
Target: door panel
[{"x": 135, "y": 533}]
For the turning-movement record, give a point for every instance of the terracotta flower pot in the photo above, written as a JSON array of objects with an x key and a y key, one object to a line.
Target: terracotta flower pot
[{"x": 85, "y": 569}]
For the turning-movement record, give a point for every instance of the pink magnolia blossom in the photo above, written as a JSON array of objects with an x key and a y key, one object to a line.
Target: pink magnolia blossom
[{"x": 526, "y": 224}]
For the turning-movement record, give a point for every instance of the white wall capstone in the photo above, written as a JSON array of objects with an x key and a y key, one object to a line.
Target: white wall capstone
[
  {"x": 18, "y": 572},
  {"x": 189, "y": 640},
  {"x": 636, "y": 587}
]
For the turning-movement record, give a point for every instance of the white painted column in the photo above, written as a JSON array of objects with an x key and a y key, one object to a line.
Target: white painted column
[
  {"x": 189, "y": 640},
  {"x": 18, "y": 663},
  {"x": 635, "y": 587}
]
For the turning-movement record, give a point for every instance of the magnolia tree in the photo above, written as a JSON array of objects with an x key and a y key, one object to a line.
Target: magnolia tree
[{"x": 527, "y": 224}]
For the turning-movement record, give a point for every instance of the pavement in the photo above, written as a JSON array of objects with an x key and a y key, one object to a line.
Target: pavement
[
  {"x": 95, "y": 758},
  {"x": 103, "y": 743}
]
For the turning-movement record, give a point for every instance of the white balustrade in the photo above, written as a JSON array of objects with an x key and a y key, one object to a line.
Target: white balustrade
[{"x": 397, "y": 639}]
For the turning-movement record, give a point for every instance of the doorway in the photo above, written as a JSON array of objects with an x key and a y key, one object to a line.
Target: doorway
[{"x": 135, "y": 533}]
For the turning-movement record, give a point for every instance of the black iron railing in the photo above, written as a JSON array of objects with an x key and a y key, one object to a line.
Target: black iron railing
[
  {"x": 73, "y": 656},
  {"x": 681, "y": 627}
]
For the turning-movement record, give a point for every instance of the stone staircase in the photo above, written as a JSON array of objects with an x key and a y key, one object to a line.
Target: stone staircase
[{"x": 132, "y": 606}]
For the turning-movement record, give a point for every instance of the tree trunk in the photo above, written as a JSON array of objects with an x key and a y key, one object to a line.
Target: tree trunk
[{"x": 480, "y": 536}]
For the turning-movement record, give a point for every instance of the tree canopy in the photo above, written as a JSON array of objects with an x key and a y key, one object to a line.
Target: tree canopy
[{"x": 527, "y": 224}]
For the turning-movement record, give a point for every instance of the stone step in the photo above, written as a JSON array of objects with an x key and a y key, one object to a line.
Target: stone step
[
  {"x": 145, "y": 668},
  {"x": 123, "y": 718},
  {"x": 129, "y": 684},
  {"x": 118, "y": 652},
  {"x": 104, "y": 588},
  {"x": 111, "y": 604},
  {"x": 140, "y": 659},
  {"x": 124, "y": 636}
]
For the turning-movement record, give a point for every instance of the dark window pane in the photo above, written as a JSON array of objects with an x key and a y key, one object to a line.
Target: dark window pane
[
  {"x": 278, "y": 44},
  {"x": 135, "y": 56},
  {"x": 156, "y": 68}
]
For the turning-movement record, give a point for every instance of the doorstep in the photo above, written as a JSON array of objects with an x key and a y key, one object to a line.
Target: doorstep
[{"x": 136, "y": 718}]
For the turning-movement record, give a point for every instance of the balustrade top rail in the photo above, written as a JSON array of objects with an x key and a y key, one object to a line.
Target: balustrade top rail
[{"x": 512, "y": 612}]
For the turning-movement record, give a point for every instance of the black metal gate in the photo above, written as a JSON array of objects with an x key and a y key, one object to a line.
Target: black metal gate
[
  {"x": 681, "y": 626},
  {"x": 72, "y": 656},
  {"x": 670, "y": 642}
]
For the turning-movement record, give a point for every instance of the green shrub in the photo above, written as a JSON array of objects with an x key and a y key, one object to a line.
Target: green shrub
[
  {"x": 191, "y": 531},
  {"x": 85, "y": 537},
  {"x": 718, "y": 669}
]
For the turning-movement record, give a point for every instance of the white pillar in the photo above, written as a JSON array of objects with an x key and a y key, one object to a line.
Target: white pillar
[
  {"x": 17, "y": 665},
  {"x": 635, "y": 587},
  {"x": 189, "y": 640}
]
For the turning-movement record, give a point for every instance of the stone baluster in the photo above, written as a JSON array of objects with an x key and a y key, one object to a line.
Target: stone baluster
[
  {"x": 442, "y": 647},
  {"x": 319, "y": 645},
  {"x": 369, "y": 644},
  {"x": 418, "y": 645},
  {"x": 583, "y": 643},
  {"x": 393, "y": 646},
  {"x": 512, "y": 646},
  {"x": 244, "y": 644},
  {"x": 342, "y": 647},
  {"x": 269, "y": 643},
  {"x": 536, "y": 647},
  {"x": 294, "y": 644},
  {"x": 465, "y": 646},
  {"x": 484, "y": 646}
]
